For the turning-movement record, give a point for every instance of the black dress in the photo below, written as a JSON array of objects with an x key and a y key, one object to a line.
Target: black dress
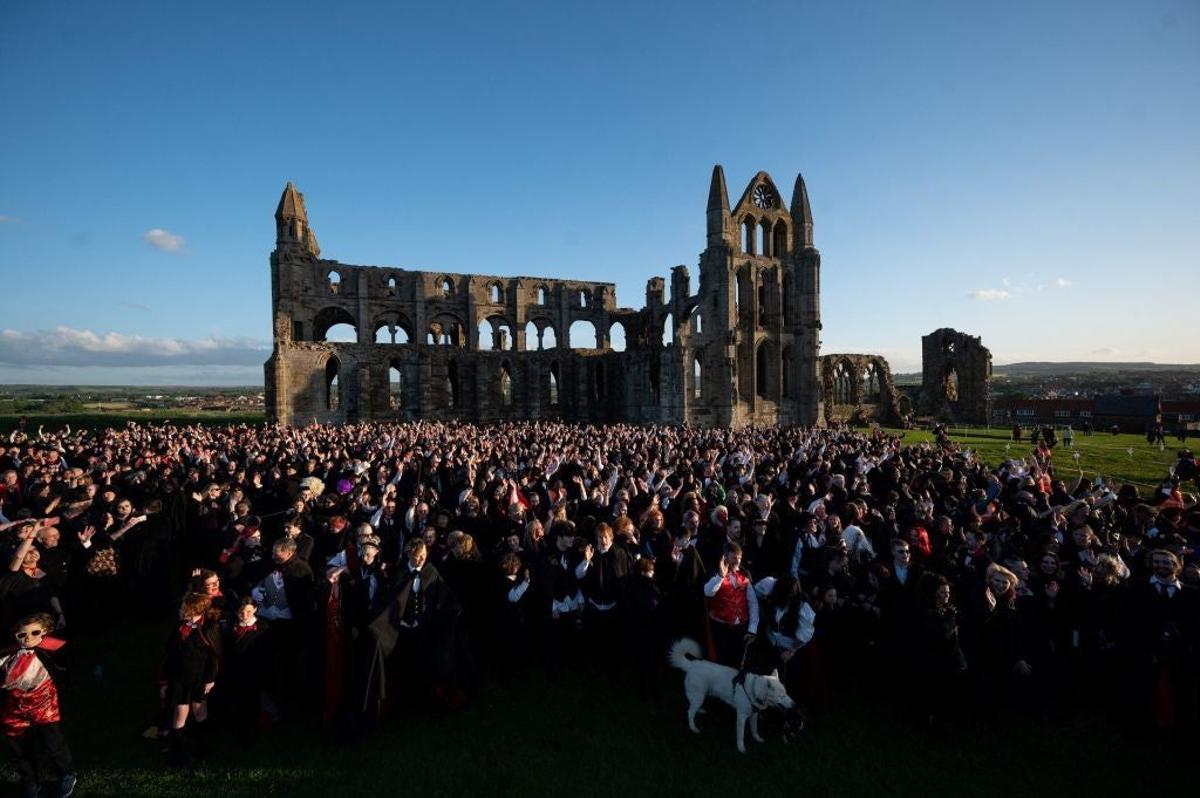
[{"x": 190, "y": 663}]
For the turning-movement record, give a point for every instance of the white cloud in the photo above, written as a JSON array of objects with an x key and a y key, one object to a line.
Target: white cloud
[
  {"x": 1061, "y": 282},
  {"x": 988, "y": 294},
  {"x": 1107, "y": 351},
  {"x": 164, "y": 240},
  {"x": 7, "y": 219},
  {"x": 65, "y": 346}
]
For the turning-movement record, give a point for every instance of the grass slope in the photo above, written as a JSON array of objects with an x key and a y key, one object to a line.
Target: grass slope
[
  {"x": 1123, "y": 458},
  {"x": 590, "y": 737}
]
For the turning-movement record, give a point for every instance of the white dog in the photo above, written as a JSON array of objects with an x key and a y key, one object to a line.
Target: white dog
[{"x": 705, "y": 678}]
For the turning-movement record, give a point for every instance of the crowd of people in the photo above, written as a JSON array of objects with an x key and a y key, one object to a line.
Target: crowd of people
[{"x": 356, "y": 572}]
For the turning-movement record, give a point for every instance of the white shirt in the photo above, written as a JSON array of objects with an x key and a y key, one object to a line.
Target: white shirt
[
  {"x": 1170, "y": 585},
  {"x": 858, "y": 545},
  {"x": 805, "y": 620},
  {"x": 517, "y": 590}
]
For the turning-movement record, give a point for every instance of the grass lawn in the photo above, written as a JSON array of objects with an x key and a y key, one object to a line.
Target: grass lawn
[
  {"x": 1124, "y": 458},
  {"x": 584, "y": 737}
]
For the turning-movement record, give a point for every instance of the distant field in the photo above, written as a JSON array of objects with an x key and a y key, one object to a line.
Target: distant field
[
  {"x": 1124, "y": 458},
  {"x": 100, "y": 420}
]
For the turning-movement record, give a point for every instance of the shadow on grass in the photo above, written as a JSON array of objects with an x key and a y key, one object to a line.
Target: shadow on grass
[{"x": 585, "y": 736}]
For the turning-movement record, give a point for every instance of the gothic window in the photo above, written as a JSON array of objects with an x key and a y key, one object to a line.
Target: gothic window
[
  {"x": 760, "y": 371},
  {"x": 598, "y": 382},
  {"x": 843, "y": 388},
  {"x": 332, "y": 388},
  {"x": 506, "y": 387},
  {"x": 452, "y": 385},
  {"x": 395, "y": 388},
  {"x": 583, "y": 335},
  {"x": 495, "y": 335},
  {"x": 697, "y": 374},
  {"x": 749, "y": 233},
  {"x": 870, "y": 384},
  {"x": 616, "y": 337},
  {"x": 553, "y": 384},
  {"x": 951, "y": 384},
  {"x": 496, "y": 293},
  {"x": 787, "y": 300},
  {"x": 447, "y": 288},
  {"x": 342, "y": 334},
  {"x": 541, "y": 295},
  {"x": 391, "y": 286},
  {"x": 335, "y": 283},
  {"x": 779, "y": 246},
  {"x": 786, "y": 374}
]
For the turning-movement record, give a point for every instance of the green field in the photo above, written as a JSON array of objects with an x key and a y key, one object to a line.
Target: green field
[
  {"x": 1123, "y": 458},
  {"x": 588, "y": 736}
]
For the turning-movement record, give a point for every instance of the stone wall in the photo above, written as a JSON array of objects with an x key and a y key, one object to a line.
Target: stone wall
[
  {"x": 859, "y": 389},
  {"x": 956, "y": 374},
  {"x": 743, "y": 348}
]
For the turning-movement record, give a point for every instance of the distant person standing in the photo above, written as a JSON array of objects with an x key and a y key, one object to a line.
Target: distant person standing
[
  {"x": 1016, "y": 432},
  {"x": 1068, "y": 436}
]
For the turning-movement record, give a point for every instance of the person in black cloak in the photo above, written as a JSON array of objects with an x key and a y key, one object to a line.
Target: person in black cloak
[{"x": 415, "y": 652}]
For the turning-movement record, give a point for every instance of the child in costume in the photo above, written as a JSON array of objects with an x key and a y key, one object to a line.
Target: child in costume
[
  {"x": 29, "y": 713},
  {"x": 189, "y": 669}
]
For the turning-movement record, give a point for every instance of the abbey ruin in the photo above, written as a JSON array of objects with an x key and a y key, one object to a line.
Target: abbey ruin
[{"x": 742, "y": 347}]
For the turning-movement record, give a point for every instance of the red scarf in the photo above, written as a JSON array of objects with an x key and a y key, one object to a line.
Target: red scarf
[{"x": 239, "y": 631}]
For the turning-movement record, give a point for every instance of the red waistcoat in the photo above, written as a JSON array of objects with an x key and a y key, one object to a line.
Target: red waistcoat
[{"x": 730, "y": 605}]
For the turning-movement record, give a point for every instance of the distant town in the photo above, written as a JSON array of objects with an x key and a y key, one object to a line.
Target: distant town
[{"x": 1131, "y": 396}]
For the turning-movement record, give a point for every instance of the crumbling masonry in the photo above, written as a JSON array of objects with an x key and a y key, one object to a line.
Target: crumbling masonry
[
  {"x": 743, "y": 348},
  {"x": 956, "y": 375}
]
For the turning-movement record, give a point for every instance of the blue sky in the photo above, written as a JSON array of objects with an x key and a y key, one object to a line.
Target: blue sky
[{"x": 1023, "y": 171}]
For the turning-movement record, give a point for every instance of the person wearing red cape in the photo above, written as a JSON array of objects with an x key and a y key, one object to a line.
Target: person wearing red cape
[
  {"x": 1162, "y": 629},
  {"x": 29, "y": 712}
]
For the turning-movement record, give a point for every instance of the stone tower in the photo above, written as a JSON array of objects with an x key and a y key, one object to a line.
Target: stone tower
[
  {"x": 757, "y": 349},
  {"x": 956, "y": 375}
]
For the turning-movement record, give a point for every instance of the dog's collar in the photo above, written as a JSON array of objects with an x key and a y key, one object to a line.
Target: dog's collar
[{"x": 754, "y": 702}]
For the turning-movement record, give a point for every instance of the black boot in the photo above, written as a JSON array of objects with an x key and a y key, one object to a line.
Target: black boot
[{"x": 180, "y": 753}]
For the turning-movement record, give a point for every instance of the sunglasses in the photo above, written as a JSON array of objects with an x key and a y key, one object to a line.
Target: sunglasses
[{"x": 31, "y": 633}]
